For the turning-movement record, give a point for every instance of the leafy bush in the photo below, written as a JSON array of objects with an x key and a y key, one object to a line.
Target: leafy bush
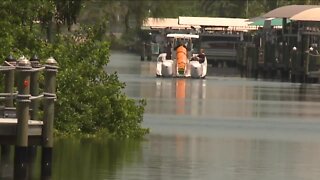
[{"x": 90, "y": 100}]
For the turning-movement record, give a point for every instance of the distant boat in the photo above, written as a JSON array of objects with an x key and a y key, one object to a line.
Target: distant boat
[{"x": 180, "y": 60}]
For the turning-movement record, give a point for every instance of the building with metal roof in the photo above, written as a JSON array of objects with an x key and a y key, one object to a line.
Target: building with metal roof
[
  {"x": 235, "y": 24},
  {"x": 288, "y": 11},
  {"x": 162, "y": 23}
]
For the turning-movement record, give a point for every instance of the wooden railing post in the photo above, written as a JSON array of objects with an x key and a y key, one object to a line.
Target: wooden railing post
[
  {"x": 35, "y": 103},
  {"x": 51, "y": 69},
  {"x": 34, "y": 88},
  {"x": 23, "y": 99},
  {"x": 8, "y": 88},
  {"x": 9, "y": 80}
]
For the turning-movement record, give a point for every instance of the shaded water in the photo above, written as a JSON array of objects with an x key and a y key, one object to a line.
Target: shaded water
[
  {"x": 226, "y": 128},
  {"x": 222, "y": 128}
]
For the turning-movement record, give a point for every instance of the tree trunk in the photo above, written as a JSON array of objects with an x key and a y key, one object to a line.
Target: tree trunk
[
  {"x": 49, "y": 31},
  {"x": 126, "y": 22}
]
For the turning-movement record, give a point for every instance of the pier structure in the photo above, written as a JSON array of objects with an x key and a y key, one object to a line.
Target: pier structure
[
  {"x": 281, "y": 44},
  {"x": 153, "y": 35},
  {"x": 220, "y": 38},
  {"x": 21, "y": 125},
  {"x": 289, "y": 50}
]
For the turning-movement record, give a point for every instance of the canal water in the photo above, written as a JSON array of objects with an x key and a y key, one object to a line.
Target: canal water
[{"x": 221, "y": 128}]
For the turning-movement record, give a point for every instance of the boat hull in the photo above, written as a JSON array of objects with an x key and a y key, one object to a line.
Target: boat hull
[{"x": 167, "y": 68}]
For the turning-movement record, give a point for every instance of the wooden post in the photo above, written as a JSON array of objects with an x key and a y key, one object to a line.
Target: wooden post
[
  {"x": 285, "y": 53},
  {"x": 261, "y": 60},
  {"x": 149, "y": 50},
  {"x": 143, "y": 51},
  {"x": 8, "y": 88},
  {"x": 285, "y": 61},
  {"x": 34, "y": 91},
  {"x": 9, "y": 80},
  {"x": 256, "y": 55},
  {"x": 23, "y": 100},
  {"x": 266, "y": 48},
  {"x": 34, "y": 88},
  {"x": 283, "y": 38},
  {"x": 49, "y": 98},
  {"x": 47, "y": 131},
  {"x": 306, "y": 59},
  {"x": 299, "y": 59},
  {"x": 294, "y": 64},
  {"x": 269, "y": 56}
]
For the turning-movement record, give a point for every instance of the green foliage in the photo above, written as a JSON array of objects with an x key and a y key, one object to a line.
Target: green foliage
[
  {"x": 90, "y": 101},
  {"x": 68, "y": 11}
]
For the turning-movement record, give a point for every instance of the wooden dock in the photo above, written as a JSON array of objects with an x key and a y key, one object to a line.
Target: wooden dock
[
  {"x": 20, "y": 124},
  {"x": 8, "y": 131}
]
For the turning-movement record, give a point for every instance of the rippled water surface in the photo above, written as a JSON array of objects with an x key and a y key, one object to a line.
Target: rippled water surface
[{"x": 221, "y": 128}]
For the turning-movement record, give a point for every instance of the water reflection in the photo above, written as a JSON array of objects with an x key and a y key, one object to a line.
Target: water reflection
[
  {"x": 93, "y": 158},
  {"x": 294, "y": 101},
  {"x": 171, "y": 96},
  {"x": 186, "y": 157},
  {"x": 219, "y": 100},
  {"x": 30, "y": 168},
  {"x": 180, "y": 96},
  {"x": 224, "y": 128}
]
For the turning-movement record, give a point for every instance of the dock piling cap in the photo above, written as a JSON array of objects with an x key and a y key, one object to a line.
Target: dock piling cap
[
  {"x": 51, "y": 61},
  {"x": 10, "y": 58},
  {"x": 35, "y": 58},
  {"x": 23, "y": 61}
]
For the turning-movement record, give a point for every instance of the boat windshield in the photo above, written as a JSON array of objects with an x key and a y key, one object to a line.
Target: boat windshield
[
  {"x": 183, "y": 36},
  {"x": 183, "y": 39}
]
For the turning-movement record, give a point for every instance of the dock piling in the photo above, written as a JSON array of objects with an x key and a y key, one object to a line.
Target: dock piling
[
  {"x": 34, "y": 87},
  {"x": 23, "y": 100},
  {"x": 19, "y": 122},
  {"x": 51, "y": 69},
  {"x": 8, "y": 103}
]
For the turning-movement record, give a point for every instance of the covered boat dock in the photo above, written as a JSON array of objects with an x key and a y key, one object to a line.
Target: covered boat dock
[
  {"x": 220, "y": 37},
  {"x": 292, "y": 50},
  {"x": 155, "y": 31}
]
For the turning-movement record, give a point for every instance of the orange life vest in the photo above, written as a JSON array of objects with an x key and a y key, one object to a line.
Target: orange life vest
[{"x": 181, "y": 57}]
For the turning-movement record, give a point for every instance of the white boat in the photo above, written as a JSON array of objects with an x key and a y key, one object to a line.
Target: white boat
[{"x": 180, "y": 59}]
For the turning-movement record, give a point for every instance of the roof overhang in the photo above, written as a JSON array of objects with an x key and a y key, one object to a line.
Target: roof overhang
[
  {"x": 273, "y": 22},
  {"x": 235, "y": 24},
  {"x": 288, "y": 11},
  {"x": 212, "y": 21},
  {"x": 186, "y": 36},
  {"x": 307, "y": 15},
  {"x": 163, "y": 23}
]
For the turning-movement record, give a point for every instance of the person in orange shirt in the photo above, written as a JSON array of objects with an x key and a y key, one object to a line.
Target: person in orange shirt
[{"x": 181, "y": 52}]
